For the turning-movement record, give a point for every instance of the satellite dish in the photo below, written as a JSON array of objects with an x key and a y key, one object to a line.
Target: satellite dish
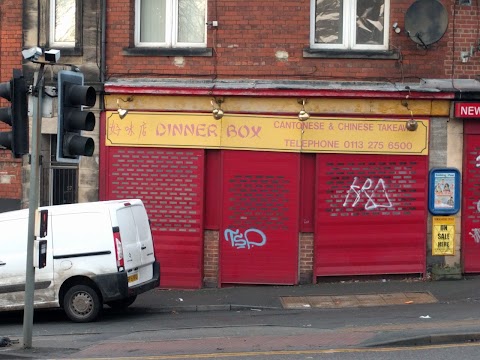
[{"x": 426, "y": 21}]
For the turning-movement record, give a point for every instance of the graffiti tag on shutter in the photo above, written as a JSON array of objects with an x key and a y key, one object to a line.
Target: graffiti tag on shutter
[
  {"x": 369, "y": 191},
  {"x": 241, "y": 241}
]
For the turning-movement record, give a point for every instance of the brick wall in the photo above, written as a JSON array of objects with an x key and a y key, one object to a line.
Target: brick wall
[
  {"x": 11, "y": 37},
  {"x": 210, "y": 258},
  {"x": 10, "y": 178},
  {"x": 266, "y": 40},
  {"x": 306, "y": 258},
  {"x": 11, "y": 40},
  {"x": 464, "y": 26}
]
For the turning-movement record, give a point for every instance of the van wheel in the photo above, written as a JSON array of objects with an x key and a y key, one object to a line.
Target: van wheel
[
  {"x": 122, "y": 303},
  {"x": 81, "y": 303}
]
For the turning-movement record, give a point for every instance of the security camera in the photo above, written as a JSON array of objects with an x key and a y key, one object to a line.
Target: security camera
[
  {"x": 32, "y": 53},
  {"x": 52, "y": 55}
]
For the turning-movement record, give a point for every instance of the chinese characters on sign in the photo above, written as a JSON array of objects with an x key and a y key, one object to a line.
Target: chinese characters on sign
[{"x": 267, "y": 133}]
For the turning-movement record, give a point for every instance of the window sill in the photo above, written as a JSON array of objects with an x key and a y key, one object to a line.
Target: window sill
[
  {"x": 351, "y": 54},
  {"x": 146, "y": 51},
  {"x": 68, "y": 51}
]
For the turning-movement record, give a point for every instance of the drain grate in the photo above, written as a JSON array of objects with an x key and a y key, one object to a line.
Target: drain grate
[{"x": 361, "y": 300}]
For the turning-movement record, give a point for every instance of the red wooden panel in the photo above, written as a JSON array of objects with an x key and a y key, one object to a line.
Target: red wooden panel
[
  {"x": 307, "y": 193},
  {"x": 371, "y": 214},
  {"x": 471, "y": 126},
  {"x": 170, "y": 183},
  {"x": 213, "y": 183},
  {"x": 470, "y": 205},
  {"x": 259, "y": 234},
  {"x": 103, "y": 161}
]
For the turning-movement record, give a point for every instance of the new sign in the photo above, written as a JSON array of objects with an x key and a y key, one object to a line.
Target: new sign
[{"x": 467, "y": 109}]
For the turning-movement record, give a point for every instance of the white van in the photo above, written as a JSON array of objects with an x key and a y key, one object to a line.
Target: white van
[{"x": 97, "y": 253}]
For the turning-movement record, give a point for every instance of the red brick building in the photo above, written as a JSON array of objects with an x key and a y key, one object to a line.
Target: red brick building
[
  {"x": 285, "y": 142},
  {"x": 259, "y": 196},
  {"x": 11, "y": 50},
  {"x": 272, "y": 41}
]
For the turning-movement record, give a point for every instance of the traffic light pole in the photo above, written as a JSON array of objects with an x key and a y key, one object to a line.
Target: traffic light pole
[{"x": 37, "y": 93}]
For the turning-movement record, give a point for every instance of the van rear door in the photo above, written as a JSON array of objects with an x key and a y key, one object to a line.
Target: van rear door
[
  {"x": 144, "y": 234},
  {"x": 136, "y": 240}
]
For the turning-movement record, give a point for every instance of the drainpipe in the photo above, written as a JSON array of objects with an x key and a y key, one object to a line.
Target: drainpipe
[{"x": 103, "y": 66}]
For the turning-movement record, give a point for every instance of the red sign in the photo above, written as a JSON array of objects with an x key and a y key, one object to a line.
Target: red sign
[{"x": 467, "y": 109}]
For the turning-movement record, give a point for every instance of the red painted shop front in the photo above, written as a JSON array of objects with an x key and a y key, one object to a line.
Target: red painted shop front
[
  {"x": 262, "y": 193},
  {"x": 259, "y": 231},
  {"x": 471, "y": 197},
  {"x": 371, "y": 214},
  {"x": 170, "y": 183}
]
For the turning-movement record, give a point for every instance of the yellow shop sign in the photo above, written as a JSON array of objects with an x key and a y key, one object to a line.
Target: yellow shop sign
[{"x": 266, "y": 133}]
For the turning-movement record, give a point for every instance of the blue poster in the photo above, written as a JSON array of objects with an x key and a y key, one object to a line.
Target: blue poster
[{"x": 444, "y": 192}]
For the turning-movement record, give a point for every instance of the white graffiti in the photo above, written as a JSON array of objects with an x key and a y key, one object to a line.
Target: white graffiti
[
  {"x": 240, "y": 241},
  {"x": 475, "y": 233},
  {"x": 370, "y": 192}
]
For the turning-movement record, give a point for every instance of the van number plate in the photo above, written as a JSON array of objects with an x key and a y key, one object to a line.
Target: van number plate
[{"x": 133, "y": 278}]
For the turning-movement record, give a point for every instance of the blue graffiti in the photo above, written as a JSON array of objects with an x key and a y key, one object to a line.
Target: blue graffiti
[{"x": 240, "y": 241}]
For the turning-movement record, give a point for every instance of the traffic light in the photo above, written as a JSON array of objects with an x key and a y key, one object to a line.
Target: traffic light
[
  {"x": 16, "y": 115},
  {"x": 72, "y": 118}
]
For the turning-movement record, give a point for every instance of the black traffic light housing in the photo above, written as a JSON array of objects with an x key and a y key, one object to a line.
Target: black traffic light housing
[
  {"x": 16, "y": 115},
  {"x": 72, "y": 118}
]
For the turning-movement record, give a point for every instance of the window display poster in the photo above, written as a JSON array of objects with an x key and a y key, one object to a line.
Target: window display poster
[{"x": 444, "y": 194}]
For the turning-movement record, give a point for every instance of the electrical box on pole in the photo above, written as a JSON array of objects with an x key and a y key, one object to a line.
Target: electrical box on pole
[
  {"x": 16, "y": 115},
  {"x": 73, "y": 96}
]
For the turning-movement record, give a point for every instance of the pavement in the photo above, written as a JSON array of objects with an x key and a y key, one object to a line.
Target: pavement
[
  {"x": 375, "y": 312},
  {"x": 270, "y": 297}
]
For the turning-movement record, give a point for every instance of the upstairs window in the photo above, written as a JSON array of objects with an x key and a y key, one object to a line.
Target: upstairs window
[
  {"x": 63, "y": 23},
  {"x": 170, "y": 23},
  {"x": 350, "y": 24}
]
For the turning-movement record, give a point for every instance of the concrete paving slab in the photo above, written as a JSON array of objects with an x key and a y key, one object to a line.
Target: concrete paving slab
[
  {"x": 346, "y": 301},
  {"x": 359, "y": 300},
  {"x": 371, "y": 300},
  {"x": 421, "y": 297},
  {"x": 295, "y": 302},
  {"x": 325, "y": 302},
  {"x": 394, "y": 298}
]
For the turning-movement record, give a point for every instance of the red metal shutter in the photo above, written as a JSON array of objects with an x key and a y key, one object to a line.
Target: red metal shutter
[
  {"x": 170, "y": 183},
  {"x": 371, "y": 214},
  {"x": 470, "y": 205},
  {"x": 259, "y": 234}
]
